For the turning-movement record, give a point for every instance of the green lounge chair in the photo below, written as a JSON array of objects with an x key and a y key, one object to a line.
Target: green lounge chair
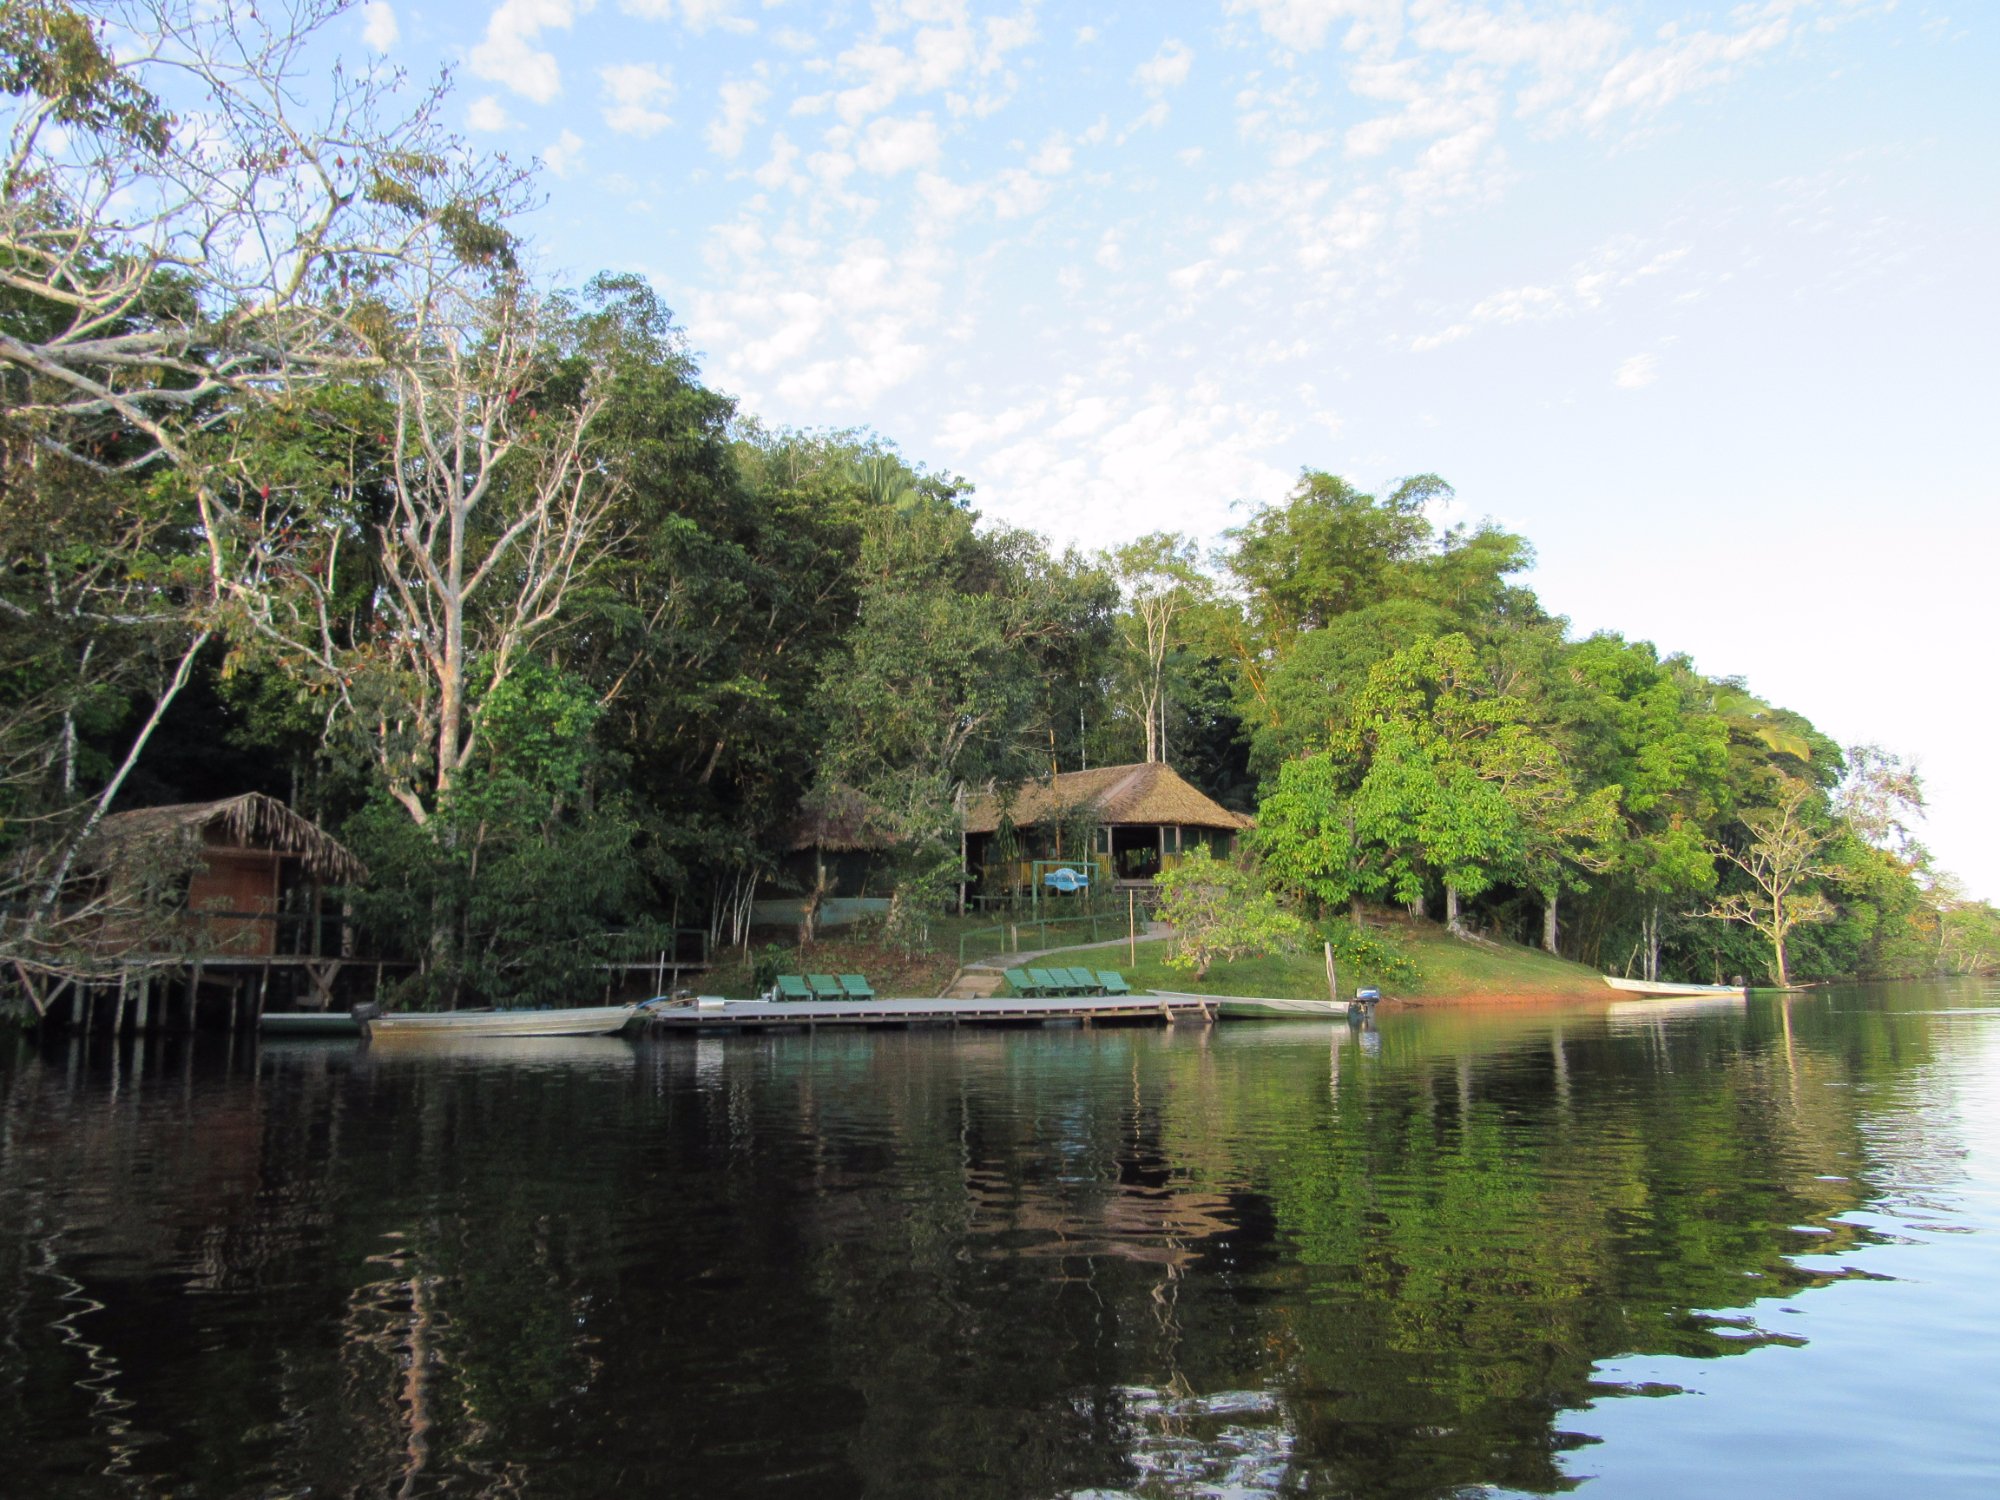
[
  {"x": 825, "y": 987},
  {"x": 792, "y": 987},
  {"x": 1086, "y": 981},
  {"x": 1046, "y": 983},
  {"x": 855, "y": 987},
  {"x": 1019, "y": 982},
  {"x": 1113, "y": 982}
]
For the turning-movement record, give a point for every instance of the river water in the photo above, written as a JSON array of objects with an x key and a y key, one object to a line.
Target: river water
[{"x": 1726, "y": 1250}]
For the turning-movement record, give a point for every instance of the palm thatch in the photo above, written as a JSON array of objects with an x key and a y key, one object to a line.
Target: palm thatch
[
  {"x": 249, "y": 821},
  {"x": 1144, "y": 795}
]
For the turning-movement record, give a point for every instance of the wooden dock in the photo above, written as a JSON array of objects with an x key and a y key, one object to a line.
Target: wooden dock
[{"x": 737, "y": 1015}]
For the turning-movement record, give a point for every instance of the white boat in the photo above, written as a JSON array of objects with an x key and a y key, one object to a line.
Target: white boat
[
  {"x": 588, "y": 1020},
  {"x": 1661, "y": 987},
  {"x": 1264, "y": 1007}
]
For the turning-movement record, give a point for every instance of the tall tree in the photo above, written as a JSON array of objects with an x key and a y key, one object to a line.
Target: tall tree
[
  {"x": 190, "y": 227},
  {"x": 1781, "y": 859},
  {"x": 1160, "y": 579}
]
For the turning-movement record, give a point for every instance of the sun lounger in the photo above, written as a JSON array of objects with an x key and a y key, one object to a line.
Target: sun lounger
[
  {"x": 825, "y": 987},
  {"x": 1113, "y": 982},
  {"x": 1046, "y": 983},
  {"x": 792, "y": 987},
  {"x": 1085, "y": 981},
  {"x": 855, "y": 987},
  {"x": 1019, "y": 982}
]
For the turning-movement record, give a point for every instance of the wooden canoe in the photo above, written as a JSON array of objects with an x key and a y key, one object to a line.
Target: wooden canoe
[
  {"x": 588, "y": 1020},
  {"x": 1262, "y": 1007},
  {"x": 1661, "y": 987}
]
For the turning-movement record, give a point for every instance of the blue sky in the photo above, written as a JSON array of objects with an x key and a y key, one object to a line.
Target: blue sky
[{"x": 1698, "y": 297}]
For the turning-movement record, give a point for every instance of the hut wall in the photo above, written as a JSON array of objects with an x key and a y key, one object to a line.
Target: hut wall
[{"x": 236, "y": 880}]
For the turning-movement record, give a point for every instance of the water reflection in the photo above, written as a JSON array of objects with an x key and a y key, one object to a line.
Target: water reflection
[{"x": 1280, "y": 1259}]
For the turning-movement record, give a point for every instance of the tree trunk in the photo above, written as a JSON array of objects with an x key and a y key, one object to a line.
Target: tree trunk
[
  {"x": 1354, "y": 909},
  {"x": 1549, "y": 925},
  {"x": 1652, "y": 933},
  {"x": 1451, "y": 922}
]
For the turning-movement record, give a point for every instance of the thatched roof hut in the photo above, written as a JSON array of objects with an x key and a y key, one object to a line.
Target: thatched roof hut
[
  {"x": 1152, "y": 795},
  {"x": 250, "y": 821}
]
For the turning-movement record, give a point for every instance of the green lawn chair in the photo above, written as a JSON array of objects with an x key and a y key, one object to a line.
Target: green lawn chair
[
  {"x": 1085, "y": 981},
  {"x": 825, "y": 987},
  {"x": 792, "y": 987},
  {"x": 1019, "y": 982},
  {"x": 1046, "y": 983},
  {"x": 1113, "y": 982},
  {"x": 855, "y": 987}
]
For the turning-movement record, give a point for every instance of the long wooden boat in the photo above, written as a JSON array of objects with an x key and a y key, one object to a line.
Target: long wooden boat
[
  {"x": 1661, "y": 987},
  {"x": 588, "y": 1020},
  {"x": 1262, "y": 1007},
  {"x": 333, "y": 1023}
]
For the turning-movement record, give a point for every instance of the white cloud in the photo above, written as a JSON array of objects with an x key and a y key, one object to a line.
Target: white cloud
[
  {"x": 779, "y": 171},
  {"x": 638, "y": 93},
  {"x": 741, "y": 98},
  {"x": 507, "y": 53},
  {"x": 487, "y": 113},
  {"x": 1613, "y": 267},
  {"x": 1167, "y": 68},
  {"x": 564, "y": 155},
  {"x": 890, "y": 145},
  {"x": 378, "y": 25},
  {"x": 1054, "y": 158},
  {"x": 1640, "y": 370},
  {"x": 696, "y": 15}
]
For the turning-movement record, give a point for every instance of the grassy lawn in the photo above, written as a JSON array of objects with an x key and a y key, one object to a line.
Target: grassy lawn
[
  {"x": 887, "y": 968},
  {"x": 1446, "y": 969}
]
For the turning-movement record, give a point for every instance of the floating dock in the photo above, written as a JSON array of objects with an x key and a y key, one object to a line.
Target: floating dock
[{"x": 735, "y": 1015}]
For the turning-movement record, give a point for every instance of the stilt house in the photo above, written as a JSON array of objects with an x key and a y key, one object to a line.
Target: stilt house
[{"x": 252, "y": 867}]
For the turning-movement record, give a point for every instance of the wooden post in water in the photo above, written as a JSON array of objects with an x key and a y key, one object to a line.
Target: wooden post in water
[
  {"x": 145, "y": 1003},
  {"x": 1332, "y": 980}
]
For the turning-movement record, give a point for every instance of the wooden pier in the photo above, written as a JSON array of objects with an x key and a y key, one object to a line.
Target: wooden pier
[{"x": 756, "y": 1015}]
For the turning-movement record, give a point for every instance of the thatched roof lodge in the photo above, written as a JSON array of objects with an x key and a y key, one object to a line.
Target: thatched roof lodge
[
  {"x": 1136, "y": 820},
  {"x": 243, "y": 857}
]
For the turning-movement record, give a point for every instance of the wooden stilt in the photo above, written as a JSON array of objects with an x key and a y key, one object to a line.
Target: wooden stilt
[
  {"x": 77, "y": 1004},
  {"x": 118, "y": 1016},
  {"x": 188, "y": 986},
  {"x": 145, "y": 1015}
]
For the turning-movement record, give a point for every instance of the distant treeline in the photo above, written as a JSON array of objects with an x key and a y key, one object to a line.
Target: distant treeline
[{"x": 308, "y": 485}]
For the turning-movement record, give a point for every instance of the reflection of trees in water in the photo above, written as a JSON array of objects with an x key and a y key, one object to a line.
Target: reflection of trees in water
[{"x": 1120, "y": 1262}]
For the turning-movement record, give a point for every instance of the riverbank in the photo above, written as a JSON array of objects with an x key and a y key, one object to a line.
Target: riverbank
[{"x": 1446, "y": 970}]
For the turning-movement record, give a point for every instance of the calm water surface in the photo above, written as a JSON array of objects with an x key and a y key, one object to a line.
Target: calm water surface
[{"x": 1728, "y": 1251}]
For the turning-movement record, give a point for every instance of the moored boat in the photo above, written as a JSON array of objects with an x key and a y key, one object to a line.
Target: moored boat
[
  {"x": 332, "y": 1023},
  {"x": 587, "y": 1020},
  {"x": 1661, "y": 987},
  {"x": 1262, "y": 1007}
]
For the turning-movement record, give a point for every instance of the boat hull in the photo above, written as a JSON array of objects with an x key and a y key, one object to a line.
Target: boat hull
[
  {"x": 308, "y": 1023},
  {"x": 1264, "y": 1007},
  {"x": 592, "y": 1020},
  {"x": 1661, "y": 987}
]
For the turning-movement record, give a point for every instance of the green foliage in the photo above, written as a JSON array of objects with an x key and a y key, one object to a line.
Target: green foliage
[
  {"x": 507, "y": 890},
  {"x": 1358, "y": 951},
  {"x": 51, "y": 52},
  {"x": 1221, "y": 910}
]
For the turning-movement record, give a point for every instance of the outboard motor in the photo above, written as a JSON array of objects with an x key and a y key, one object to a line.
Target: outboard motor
[{"x": 365, "y": 1012}]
